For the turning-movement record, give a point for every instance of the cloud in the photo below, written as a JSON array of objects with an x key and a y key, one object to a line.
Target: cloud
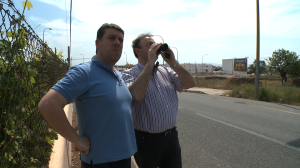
[
  {"x": 219, "y": 18},
  {"x": 58, "y": 3},
  {"x": 222, "y": 29}
]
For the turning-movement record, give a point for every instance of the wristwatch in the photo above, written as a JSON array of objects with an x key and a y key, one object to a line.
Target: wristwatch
[{"x": 176, "y": 63}]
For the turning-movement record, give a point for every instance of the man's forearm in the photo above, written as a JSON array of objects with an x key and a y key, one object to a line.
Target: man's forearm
[
  {"x": 51, "y": 107},
  {"x": 57, "y": 119},
  {"x": 140, "y": 85},
  {"x": 186, "y": 78}
]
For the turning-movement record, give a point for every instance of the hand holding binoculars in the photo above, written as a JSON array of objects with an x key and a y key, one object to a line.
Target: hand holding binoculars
[{"x": 164, "y": 47}]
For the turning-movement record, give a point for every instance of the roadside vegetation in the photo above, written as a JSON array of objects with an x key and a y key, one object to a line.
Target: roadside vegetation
[
  {"x": 28, "y": 69},
  {"x": 276, "y": 94},
  {"x": 279, "y": 79},
  {"x": 270, "y": 88}
]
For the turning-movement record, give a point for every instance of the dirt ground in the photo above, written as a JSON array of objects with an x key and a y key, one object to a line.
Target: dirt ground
[{"x": 76, "y": 163}]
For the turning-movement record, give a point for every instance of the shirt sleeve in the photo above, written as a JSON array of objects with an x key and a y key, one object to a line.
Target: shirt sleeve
[
  {"x": 73, "y": 84},
  {"x": 128, "y": 78},
  {"x": 175, "y": 79}
]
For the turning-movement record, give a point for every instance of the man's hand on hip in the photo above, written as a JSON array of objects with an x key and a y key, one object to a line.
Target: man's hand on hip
[{"x": 83, "y": 145}]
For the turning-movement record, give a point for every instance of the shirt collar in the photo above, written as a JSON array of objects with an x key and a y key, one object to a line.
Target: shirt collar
[
  {"x": 99, "y": 63},
  {"x": 141, "y": 67}
]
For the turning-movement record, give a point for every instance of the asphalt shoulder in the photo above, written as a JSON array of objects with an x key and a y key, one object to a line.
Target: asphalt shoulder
[{"x": 208, "y": 91}]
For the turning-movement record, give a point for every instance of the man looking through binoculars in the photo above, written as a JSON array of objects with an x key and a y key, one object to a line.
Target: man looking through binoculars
[{"x": 155, "y": 103}]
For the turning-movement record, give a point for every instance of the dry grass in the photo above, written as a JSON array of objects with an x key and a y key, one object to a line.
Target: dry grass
[
  {"x": 270, "y": 89},
  {"x": 215, "y": 83}
]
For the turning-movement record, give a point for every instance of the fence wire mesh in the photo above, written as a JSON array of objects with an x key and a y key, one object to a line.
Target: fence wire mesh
[{"x": 28, "y": 69}]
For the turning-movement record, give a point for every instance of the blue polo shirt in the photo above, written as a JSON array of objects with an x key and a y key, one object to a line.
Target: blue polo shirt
[{"x": 103, "y": 104}]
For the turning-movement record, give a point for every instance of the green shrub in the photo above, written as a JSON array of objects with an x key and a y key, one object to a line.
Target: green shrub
[
  {"x": 278, "y": 94},
  {"x": 25, "y": 137},
  {"x": 236, "y": 92},
  {"x": 264, "y": 94},
  {"x": 249, "y": 91},
  {"x": 274, "y": 96}
]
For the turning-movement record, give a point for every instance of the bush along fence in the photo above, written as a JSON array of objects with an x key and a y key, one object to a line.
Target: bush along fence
[{"x": 28, "y": 69}]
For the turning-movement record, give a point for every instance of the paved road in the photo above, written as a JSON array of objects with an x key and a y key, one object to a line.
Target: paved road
[{"x": 217, "y": 131}]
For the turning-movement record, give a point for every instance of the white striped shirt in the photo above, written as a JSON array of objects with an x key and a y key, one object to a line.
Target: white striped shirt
[{"x": 157, "y": 111}]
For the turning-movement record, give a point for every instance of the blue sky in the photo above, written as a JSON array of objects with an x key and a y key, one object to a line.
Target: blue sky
[{"x": 221, "y": 29}]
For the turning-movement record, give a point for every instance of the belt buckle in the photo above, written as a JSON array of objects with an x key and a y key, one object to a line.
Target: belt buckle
[{"x": 167, "y": 132}]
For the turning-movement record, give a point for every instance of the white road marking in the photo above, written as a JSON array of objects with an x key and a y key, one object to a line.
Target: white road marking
[
  {"x": 250, "y": 132},
  {"x": 276, "y": 109},
  {"x": 266, "y": 107}
]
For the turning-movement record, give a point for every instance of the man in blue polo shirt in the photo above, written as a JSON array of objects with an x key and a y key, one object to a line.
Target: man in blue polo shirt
[{"x": 103, "y": 103}]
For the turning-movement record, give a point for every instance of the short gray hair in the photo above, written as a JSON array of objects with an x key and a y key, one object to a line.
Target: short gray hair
[{"x": 136, "y": 42}]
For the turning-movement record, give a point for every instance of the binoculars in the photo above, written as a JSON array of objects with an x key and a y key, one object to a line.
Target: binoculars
[{"x": 164, "y": 47}]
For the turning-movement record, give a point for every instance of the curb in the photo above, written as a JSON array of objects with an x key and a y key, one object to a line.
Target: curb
[
  {"x": 133, "y": 163},
  {"x": 193, "y": 91},
  {"x": 61, "y": 150}
]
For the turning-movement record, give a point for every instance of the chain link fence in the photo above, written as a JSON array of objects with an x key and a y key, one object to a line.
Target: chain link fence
[{"x": 28, "y": 69}]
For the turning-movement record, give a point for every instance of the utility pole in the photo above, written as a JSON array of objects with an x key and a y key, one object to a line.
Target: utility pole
[
  {"x": 70, "y": 24},
  {"x": 202, "y": 63},
  {"x": 196, "y": 74},
  {"x": 257, "y": 49},
  {"x": 176, "y": 51},
  {"x": 69, "y": 60},
  {"x": 82, "y": 57},
  {"x": 44, "y": 33},
  {"x": 126, "y": 60}
]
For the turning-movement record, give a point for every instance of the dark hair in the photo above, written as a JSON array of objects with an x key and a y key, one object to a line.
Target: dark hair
[
  {"x": 136, "y": 42},
  {"x": 105, "y": 26}
]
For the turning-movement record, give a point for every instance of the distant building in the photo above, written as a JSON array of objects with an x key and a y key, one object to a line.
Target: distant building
[
  {"x": 227, "y": 66},
  {"x": 192, "y": 68},
  {"x": 207, "y": 68},
  {"x": 196, "y": 68},
  {"x": 122, "y": 68},
  {"x": 237, "y": 66},
  {"x": 189, "y": 67}
]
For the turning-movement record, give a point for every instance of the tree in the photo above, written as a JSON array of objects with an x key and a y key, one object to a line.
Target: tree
[
  {"x": 217, "y": 68},
  {"x": 283, "y": 61},
  {"x": 295, "y": 69},
  {"x": 262, "y": 67}
]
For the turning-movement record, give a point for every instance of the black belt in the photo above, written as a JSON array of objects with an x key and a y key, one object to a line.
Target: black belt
[{"x": 165, "y": 133}]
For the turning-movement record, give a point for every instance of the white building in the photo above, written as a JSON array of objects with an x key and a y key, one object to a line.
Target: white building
[
  {"x": 227, "y": 66},
  {"x": 207, "y": 68},
  {"x": 121, "y": 68},
  {"x": 189, "y": 67},
  {"x": 235, "y": 66}
]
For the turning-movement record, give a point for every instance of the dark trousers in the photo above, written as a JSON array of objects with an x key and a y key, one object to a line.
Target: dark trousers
[
  {"x": 158, "y": 150},
  {"x": 125, "y": 163}
]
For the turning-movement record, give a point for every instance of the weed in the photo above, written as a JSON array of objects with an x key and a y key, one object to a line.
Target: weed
[{"x": 269, "y": 90}]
